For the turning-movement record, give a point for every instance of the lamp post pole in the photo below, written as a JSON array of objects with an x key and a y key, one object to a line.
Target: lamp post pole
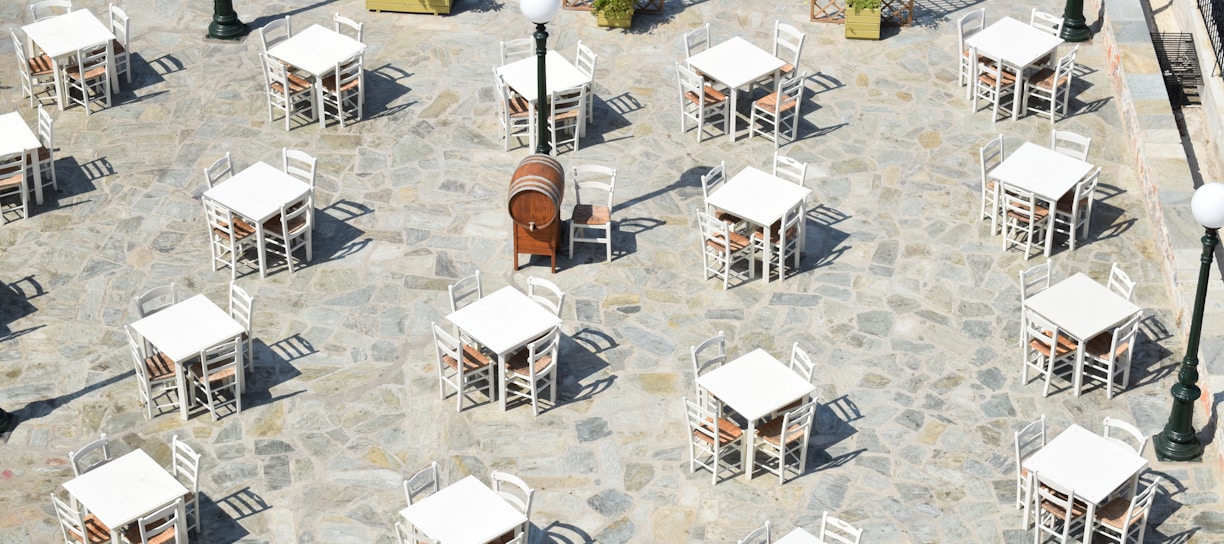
[
  {"x": 6, "y": 420},
  {"x": 225, "y": 24},
  {"x": 1074, "y": 27},
  {"x": 543, "y": 136},
  {"x": 1178, "y": 442}
]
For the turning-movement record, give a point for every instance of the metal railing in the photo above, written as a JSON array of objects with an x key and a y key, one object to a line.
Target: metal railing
[
  {"x": 1213, "y": 18},
  {"x": 1179, "y": 64}
]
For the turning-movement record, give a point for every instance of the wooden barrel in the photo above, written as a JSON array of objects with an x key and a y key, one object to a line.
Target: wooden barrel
[{"x": 536, "y": 191}]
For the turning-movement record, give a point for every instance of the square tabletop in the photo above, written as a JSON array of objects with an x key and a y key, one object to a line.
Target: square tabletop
[
  {"x": 504, "y": 320},
  {"x": 465, "y": 512},
  {"x": 258, "y": 192},
  {"x": 185, "y": 329},
  {"x": 758, "y": 196},
  {"x": 1081, "y": 306},
  {"x": 1014, "y": 42},
  {"x": 15, "y": 135},
  {"x": 122, "y": 490},
  {"x": 1085, "y": 462},
  {"x": 316, "y": 50},
  {"x": 799, "y": 536},
  {"x": 1041, "y": 171},
  {"x": 736, "y": 62},
  {"x": 562, "y": 75},
  {"x": 64, "y": 34},
  {"x": 755, "y": 384}
]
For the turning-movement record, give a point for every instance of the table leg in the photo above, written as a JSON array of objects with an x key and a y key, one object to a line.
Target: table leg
[
  {"x": 1049, "y": 241},
  {"x": 32, "y": 160},
  {"x": 111, "y": 72},
  {"x": 746, "y": 457},
  {"x": 184, "y": 391},
  {"x": 769, "y": 247},
  {"x": 1017, "y": 100},
  {"x": 501, "y": 380},
  {"x": 733, "y": 115},
  {"x": 1088, "y": 517},
  {"x": 317, "y": 107},
  {"x": 59, "y": 84},
  {"x": 1077, "y": 379},
  {"x": 259, "y": 242}
]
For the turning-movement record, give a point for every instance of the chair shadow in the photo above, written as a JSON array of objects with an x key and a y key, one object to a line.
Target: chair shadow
[
  {"x": 39, "y": 408},
  {"x": 334, "y": 236},
  {"x": 1163, "y": 507},
  {"x": 146, "y": 74},
  {"x": 1151, "y": 362},
  {"x": 481, "y": 6},
  {"x": 831, "y": 425},
  {"x": 563, "y": 533},
  {"x": 625, "y": 236},
  {"x": 15, "y": 304},
  {"x": 265, "y": 19},
  {"x": 76, "y": 179},
  {"x": 1101, "y": 214},
  {"x": 383, "y": 86},
  {"x": 272, "y": 368},
  {"x": 933, "y": 13},
  {"x": 580, "y": 352},
  {"x": 823, "y": 241},
  {"x": 162, "y": 66},
  {"x": 609, "y": 116},
  {"x": 219, "y": 518}
]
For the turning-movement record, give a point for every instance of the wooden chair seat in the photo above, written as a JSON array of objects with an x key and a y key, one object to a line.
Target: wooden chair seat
[
  {"x": 1077, "y": 509},
  {"x": 728, "y": 218},
  {"x": 159, "y": 367},
  {"x": 329, "y": 84},
  {"x": 1066, "y": 204},
  {"x": 771, "y": 432},
  {"x": 197, "y": 369},
  {"x": 727, "y": 431},
  {"x": 1113, "y": 513},
  {"x": 1065, "y": 346},
  {"x": 1039, "y": 213},
  {"x": 273, "y": 225},
  {"x": 96, "y": 532},
  {"x": 132, "y": 534},
  {"x": 519, "y": 107},
  {"x": 40, "y": 65},
  {"x": 241, "y": 228},
  {"x": 10, "y": 181},
  {"x": 737, "y": 241},
  {"x": 74, "y": 72},
  {"x": 712, "y": 96},
  {"x": 586, "y": 214},
  {"x": 297, "y": 84},
  {"x": 117, "y": 47},
  {"x": 1098, "y": 346},
  {"x": 989, "y": 79},
  {"x": 770, "y": 101},
  {"x": 1044, "y": 79},
  {"x": 518, "y": 363},
  {"x": 775, "y": 233},
  {"x": 473, "y": 359}
]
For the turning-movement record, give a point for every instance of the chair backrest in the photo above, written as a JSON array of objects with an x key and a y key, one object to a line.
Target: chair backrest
[
  {"x": 275, "y": 32},
  {"x": 354, "y": 27},
  {"x": 90, "y": 60},
  {"x": 119, "y": 24},
  {"x": 590, "y": 178},
  {"x": 349, "y": 75},
  {"x": 709, "y": 355},
  {"x": 1052, "y": 498},
  {"x": 186, "y": 464},
  {"x": 1045, "y": 22},
  {"x": 714, "y": 231},
  {"x": 790, "y": 95},
  {"x": 546, "y": 293},
  {"x": 801, "y": 363},
  {"x": 1034, "y": 280},
  {"x": 567, "y": 106},
  {"x": 513, "y": 490},
  {"x": 697, "y": 40},
  {"x": 834, "y": 530},
  {"x": 23, "y": 60},
  {"x": 1120, "y": 282},
  {"x": 788, "y": 43},
  {"x": 220, "y": 170},
  {"x": 155, "y": 300},
  {"x": 1138, "y": 510},
  {"x": 760, "y": 535},
  {"x": 155, "y": 525},
  {"x": 90, "y": 456},
  {"x": 1124, "y": 433},
  {"x": 422, "y": 484},
  {"x": 409, "y": 534},
  {"x": 585, "y": 60},
  {"x": 241, "y": 306},
  {"x": 1066, "y": 67},
  {"x": 1018, "y": 203},
  {"x": 445, "y": 345},
  {"x": 1084, "y": 192},
  {"x": 221, "y": 358},
  {"x": 71, "y": 522},
  {"x": 703, "y": 426},
  {"x": 990, "y": 156},
  {"x": 969, "y": 24},
  {"x": 789, "y": 169},
  {"x": 1028, "y": 440},
  {"x": 136, "y": 345},
  {"x": 1122, "y": 345},
  {"x": 220, "y": 220},
  {"x": 512, "y": 50},
  {"x": 690, "y": 82},
  {"x": 46, "y": 129},
  {"x": 1070, "y": 143},
  {"x": 1042, "y": 331},
  {"x": 465, "y": 291},
  {"x": 547, "y": 346},
  {"x": 797, "y": 423},
  {"x": 711, "y": 180},
  {"x": 47, "y": 9},
  {"x": 299, "y": 164}
]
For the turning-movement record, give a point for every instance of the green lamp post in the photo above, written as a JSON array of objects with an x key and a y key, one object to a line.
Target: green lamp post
[
  {"x": 1178, "y": 442},
  {"x": 541, "y": 12},
  {"x": 225, "y": 24},
  {"x": 1074, "y": 28},
  {"x": 6, "y": 420}
]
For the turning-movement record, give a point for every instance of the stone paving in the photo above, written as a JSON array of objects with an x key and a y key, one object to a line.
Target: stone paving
[{"x": 909, "y": 304}]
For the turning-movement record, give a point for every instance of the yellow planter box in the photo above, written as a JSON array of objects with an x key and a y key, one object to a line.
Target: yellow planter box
[
  {"x": 622, "y": 22},
  {"x": 862, "y": 24},
  {"x": 436, "y": 7}
]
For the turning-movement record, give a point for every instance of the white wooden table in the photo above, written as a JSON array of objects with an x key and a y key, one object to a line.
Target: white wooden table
[
  {"x": 736, "y": 63},
  {"x": 62, "y": 36},
  {"x": 1089, "y": 464},
  {"x": 755, "y": 385},
  {"x": 465, "y": 512},
  {"x": 257, "y": 194},
  {"x": 122, "y": 490},
  {"x": 185, "y": 329},
  {"x": 504, "y": 321},
  {"x": 16, "y": 137},
  {"x": 1043, "y": 172},
  {"x": 762, "y": 198},
  {"x": 316, "y": 51},
  {"x": 799, "y": 536},
  {"x": 562, "y": 75},
  {"x": 1014, "y": 44},
  {"x": 1082, "y": 308}
]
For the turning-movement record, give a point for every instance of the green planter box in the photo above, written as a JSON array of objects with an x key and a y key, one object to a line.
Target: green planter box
[
  {"x": 622, "y": 22},
  {"x": 436, "y": 7},
  {"x": 863, "y": 24}
]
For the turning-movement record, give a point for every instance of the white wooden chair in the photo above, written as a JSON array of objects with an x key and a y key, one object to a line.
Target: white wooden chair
[
  {"x": 241, "y": 308},
  {"x": 292, "y": 230},
  {"x": 784, "y": 441},
  {"x": 1107, "y": 356},
  {"x": 760, "y": 535},
  {"x": 228, "y": 235},
  {"x": 344, "y": 92},
  {"x": 407, "y": 533},
  {"x": 584, "y": 60},
  {"x": 158, "y": 527},
  {"x": 1025, "y": 220},
  {"x": 969, "y": 24},
  {"x": 789, "y": 169},
  {"x": 723, "y": 249},
  {"x": 512, "y": 50},
  {"x": 589, "y": 219},
  {"x": 77, "y": 528},
  {"x": 1056, "y": 512},
  {"x": 516, "y": 116},
  {"x": 714, "y": 442},
  {"x": 1120, "y": 282},
  {"x": 156, "y": 381},
  {"x": 1124, "y": 433},
  {"x": 422, "y": 484},
  {"x": 1052, "y": 86},
  {"x": 515, "y": 491},
  {"x": 546, "y": 294},
  {"x": 1073, "y": 212},
  {"x": 464, "y": 291},
  {"x": 1046, "y": 22},
  {"x": 90, "y": 456},
  {"x": 476, "y": 368},
  {"x": 990, "y": 156},
  {"x": 347, "y": 26},
  {"x": 286, "y": 91},
  {"x": 120, "y": 46},
  {"x": 37, "y": 73},
  {"x": 1123, "y": 518},
  {"x": 90, "y": 77},
  {"x": 710, "y": 354},
  {"x": 788, "y": 45},
  {"x": 782, "y": 242},
  {"x": 47, "y": 9},
  {"x": 801, "y": 363},
  {"x": 699, "y": 101},
  {"x": 14, "y": 182},
  {"x": 185, "y": 467},
  {"x": 697, "y": 40},
  {"x": 834, "y": 530},
  {"x": 531, "y": 370},
  {"x": 220, "y": 170},
  {"x": 46, "y": 149},
  {"x": 711, "y": 181},
  {"x": 1027, "y": 441},
  {"x": 993, "y": 83},
  {"x": 1069, "y": 143},
  {"x": 779, "y": 111},
  {"x": 566, "y": 116},
  {"x": 275, "y": 32},
  {"x": 299, "y": 164},
  {"x": 154, "y": 300},
  {"x": 1045, "y": 349},
  {"x": 218, "y": 376},
  {"x": 1032, "y": 281}
]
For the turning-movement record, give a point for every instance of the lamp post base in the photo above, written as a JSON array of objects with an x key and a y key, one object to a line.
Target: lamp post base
[
  {"x": 1075, "y": 30},
  {"x": 7, "y": 421},
  {"x": 1177, "y": 448},
  {"x": 225, "y": 24}
]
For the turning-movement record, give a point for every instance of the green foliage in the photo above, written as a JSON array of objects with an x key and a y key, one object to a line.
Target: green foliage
[
  {"x": 857, "y": 5},
  {"x": 613, "y": 9}
]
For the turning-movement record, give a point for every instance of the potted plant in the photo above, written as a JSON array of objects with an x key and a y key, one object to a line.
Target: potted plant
[
  {"x": 863, "y": 19},
  {"x": 613, "y": 13}
]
